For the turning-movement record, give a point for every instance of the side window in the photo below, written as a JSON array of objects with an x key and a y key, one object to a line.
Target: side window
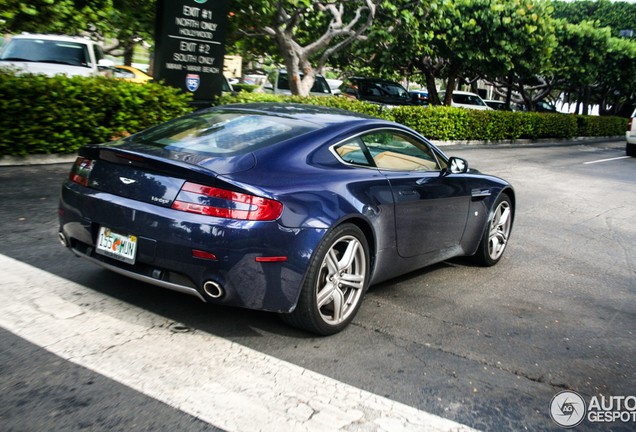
[
  {"x": 99, "y": 53},
  {"x": 320, "y": 86},
  {"x": 352, "y": 151},
  {"x": 283, "y": 81},
  {"x": 396, "y": 151}
]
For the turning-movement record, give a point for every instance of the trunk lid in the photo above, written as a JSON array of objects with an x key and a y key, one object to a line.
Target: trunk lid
[{"x": 155, "y": 176}]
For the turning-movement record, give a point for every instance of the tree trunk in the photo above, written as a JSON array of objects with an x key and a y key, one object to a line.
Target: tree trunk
[
  {"x": 450, "y": 85},
  {"x": 129, "y": 53},
  {"x": 511, "y": 80},
  {"x": 433, "y": 96},
  {"x": 586, "y": 101}
]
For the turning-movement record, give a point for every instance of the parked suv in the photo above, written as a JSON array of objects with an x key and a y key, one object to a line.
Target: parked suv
[
  {"x": 52, "y": 55},
  {"x": 377, "y": 91},
  {"x": 278, "y": 83}
]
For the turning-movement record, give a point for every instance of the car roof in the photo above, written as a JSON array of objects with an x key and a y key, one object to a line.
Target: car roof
[
  {"x": 373, "y": 79},
  {"x": 54, "y": 37},
  {"x": 285, "y": 71},
  {"x": 461, "y": 92},
  {"x": 316, "y": 114}
]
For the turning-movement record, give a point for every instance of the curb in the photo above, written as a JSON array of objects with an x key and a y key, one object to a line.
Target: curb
[
  {"x": 37, "y": 159},
  {"x": 530, "y": 143},
  {"x": 46, "y": 159}
]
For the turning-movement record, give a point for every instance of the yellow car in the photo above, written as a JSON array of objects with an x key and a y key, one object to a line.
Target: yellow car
[{"x": 131, "y": 74}]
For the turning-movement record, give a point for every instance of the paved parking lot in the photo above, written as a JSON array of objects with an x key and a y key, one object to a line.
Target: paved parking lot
[{"x": 488, "y": 348}]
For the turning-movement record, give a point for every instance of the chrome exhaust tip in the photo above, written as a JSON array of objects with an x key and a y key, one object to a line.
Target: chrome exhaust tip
[
  {"x": 213, "y": 289},
  {"x": 62, "y": 238}
]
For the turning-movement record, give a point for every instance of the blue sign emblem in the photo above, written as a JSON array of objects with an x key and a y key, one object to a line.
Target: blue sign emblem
[{"x": 192, "y": 82}]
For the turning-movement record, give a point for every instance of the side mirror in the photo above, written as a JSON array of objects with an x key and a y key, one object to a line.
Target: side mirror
[{"x": 456, "y": 166}]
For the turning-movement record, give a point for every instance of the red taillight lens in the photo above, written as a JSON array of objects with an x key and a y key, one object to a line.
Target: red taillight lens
[
  {"x": 239, "y": 206},
  {"x": 629, "y": 125},
  {"x": 80, "y": 171},
  {"x": 202, "y": 254}
]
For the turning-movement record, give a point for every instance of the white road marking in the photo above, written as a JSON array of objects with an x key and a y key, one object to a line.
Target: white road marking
[
  {"x": 606, "y": 160},
  {"x": 223, "y": 383}
]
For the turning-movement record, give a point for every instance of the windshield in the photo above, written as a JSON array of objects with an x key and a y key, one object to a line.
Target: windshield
[
  {"x": 224, "y": 133},
  {"x": 46, "y": 51},
  {"x": 467, "y": 99},
  {"x": 382, "y": 89}
]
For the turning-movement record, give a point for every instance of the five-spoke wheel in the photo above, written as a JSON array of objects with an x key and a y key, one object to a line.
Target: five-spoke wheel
[
  {"x": 335, "y": 284},
  {"x": 495, "y": 236}
]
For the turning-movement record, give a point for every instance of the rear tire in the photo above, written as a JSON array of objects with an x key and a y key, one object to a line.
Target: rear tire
[
  {"x": 496, "y": 233},
  {"x": 630, "y": 150},
  {"x": 337, "y": 279}
]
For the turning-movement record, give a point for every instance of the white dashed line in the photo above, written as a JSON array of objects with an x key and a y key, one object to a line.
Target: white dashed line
[
  {"x": 223, "y": 383},
  {"x": 606, "y": 160}
]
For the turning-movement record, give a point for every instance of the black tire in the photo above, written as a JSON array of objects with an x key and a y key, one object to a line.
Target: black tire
[
  {"x": 630, "y": 150},
  {"x": 496, "y": 233},
  {"x": 341, "y": 291}
]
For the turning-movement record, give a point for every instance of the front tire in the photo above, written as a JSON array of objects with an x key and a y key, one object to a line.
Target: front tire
[
  {"x": 496, "y": 233},
  {"x": 337, "y": 279}
]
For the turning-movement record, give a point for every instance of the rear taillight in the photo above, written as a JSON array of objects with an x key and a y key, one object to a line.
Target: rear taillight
[
  {"x": 629, "y": 125},
  {"x": 80, "y": 171},
  {"x": 211, "y": 201}
]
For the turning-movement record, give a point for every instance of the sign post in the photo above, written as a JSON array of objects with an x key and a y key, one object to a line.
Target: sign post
[{"x": 190, "y": 46}]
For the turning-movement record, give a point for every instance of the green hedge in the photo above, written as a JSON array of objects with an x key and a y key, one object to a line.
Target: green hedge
[
  {"x": 458, "y": 124},
  {"x": 60, "y": 114}
]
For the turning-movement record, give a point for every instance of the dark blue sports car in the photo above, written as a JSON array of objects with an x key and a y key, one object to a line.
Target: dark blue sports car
[{"x": 288, "y": 208}]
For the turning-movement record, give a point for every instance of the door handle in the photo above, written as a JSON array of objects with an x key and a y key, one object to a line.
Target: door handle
[{"x": 407, "y": 192}]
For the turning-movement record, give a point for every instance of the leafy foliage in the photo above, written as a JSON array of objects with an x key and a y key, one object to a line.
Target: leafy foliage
[
  {"x": 620, "y": 15},
  {"x": 245, "y": 87},
  {"x": 60, "y": 114}
]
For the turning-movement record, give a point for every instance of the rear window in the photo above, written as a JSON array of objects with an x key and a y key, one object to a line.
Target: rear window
[{"x": 224, "y": 133}]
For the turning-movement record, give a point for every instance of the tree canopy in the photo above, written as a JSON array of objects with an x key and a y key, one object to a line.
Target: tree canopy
[
  {"x": 527, "y": 49},
  {"x": 306, "y": 33}
]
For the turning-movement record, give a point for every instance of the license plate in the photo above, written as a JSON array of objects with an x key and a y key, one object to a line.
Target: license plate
[{"x": 121, "y": 247}]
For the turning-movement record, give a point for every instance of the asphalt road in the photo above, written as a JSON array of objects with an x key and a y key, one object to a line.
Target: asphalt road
[{"x": 487, "y": 347}]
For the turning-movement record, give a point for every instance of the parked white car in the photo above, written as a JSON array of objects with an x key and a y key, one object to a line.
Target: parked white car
[
  {"x": 462, "y": 99},
  {"x": 53, "y": 55},
  {"x": 630, "y": 136},
  {"x": 278, "y": 84}
]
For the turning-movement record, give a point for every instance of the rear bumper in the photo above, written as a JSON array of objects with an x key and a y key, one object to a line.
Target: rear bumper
[
  {"x": 166, "y": 239},
  {"x": 630, "y": 137}
]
